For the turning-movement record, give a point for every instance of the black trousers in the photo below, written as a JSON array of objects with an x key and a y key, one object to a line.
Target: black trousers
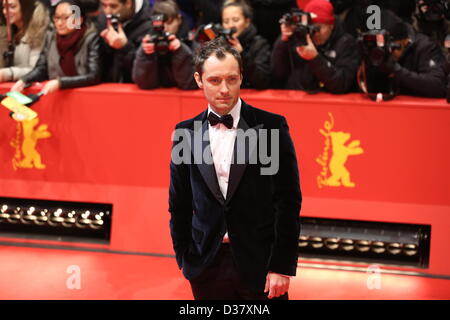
[{"x": 221, "y": 281}]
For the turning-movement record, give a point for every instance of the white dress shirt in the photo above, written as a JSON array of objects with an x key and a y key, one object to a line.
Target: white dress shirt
[
  {"x": 222, "y": 144},
  {"x": 221, "y": 141}
]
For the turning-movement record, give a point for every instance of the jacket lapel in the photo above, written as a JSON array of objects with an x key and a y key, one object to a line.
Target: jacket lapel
[
  {"x": 206, "y": 165},
  {"x": 237, "y": 167}
]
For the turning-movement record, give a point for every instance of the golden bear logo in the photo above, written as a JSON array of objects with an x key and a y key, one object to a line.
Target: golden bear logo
[
  {"x": 26, "y": 155},
  {"x": 334, "y": 173}
]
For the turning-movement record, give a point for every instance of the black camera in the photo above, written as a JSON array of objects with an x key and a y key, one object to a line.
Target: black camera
[
  {"x": 113, "y": 20},
  {"x": 376, "y": 46},
  {"x": 211, "y": 31},
  {"x": 302, "y": 21},
  {"x": 158, "y": 36}
]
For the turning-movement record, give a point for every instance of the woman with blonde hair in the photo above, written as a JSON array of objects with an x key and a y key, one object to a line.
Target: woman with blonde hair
[{"x": 29, "y": 22}]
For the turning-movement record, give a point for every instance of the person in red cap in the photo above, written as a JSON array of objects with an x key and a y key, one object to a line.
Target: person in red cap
[{"x": 327, "y": 62}]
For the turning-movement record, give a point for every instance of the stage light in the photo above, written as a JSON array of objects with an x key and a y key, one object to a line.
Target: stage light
[
  {"x": 332, "y": 243},
  {"x": 367, "y": 241},
  {"x": 394, "y": 248},
  {"x": 28, "y": 217},
  {"x": 378, "y": 247},
  {"x": 303, "y": 241},
  {"x": 14, "y": 217},
  {"x": 56, "y": 218},
  {"x": 410, "y": 249},
  {"x": 362, "y": 245},
  {"x": 347, "y": 244},
  {"x": 316, "y": 242},
  {"x": 42, "y": 218},
  {"x": 69, "y": 219},
  {"x": 4, "y": 215}
]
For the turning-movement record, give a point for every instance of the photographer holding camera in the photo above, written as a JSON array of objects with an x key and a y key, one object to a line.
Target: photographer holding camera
[
  {"x": 254, "y": 50},
  {"x": 124, "y": 24},
  {"x": 314, "y": 53},
  {"x": 163, "y": 59},
  {"x": 415, "y": 63}
]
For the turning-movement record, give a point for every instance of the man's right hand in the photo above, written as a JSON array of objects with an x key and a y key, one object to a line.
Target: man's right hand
[
  {"x": 286, "y": 31},
  {"x": 147, "y": 45}
]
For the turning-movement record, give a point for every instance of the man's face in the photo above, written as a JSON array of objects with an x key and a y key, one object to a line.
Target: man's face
[
  {"x": 117, "y": 7},
  {"x": 323, "y": 34},
  {"x": 398, "y": 52},
  {"x": 221, "y": 82}
]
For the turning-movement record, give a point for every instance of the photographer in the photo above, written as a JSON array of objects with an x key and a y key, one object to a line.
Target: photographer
[
  {"x": 430, "y": 20},
  {"x": 124, "y": 24},
  {"x": 315, "y": 56},
  {"x": 163, "y": 60},
  {"x": 416, "y": 64},
  {"x": 254, "y": 49}
]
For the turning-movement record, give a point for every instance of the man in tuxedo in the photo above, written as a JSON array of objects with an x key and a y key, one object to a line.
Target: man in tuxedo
[{"x": 234, "y": 217}]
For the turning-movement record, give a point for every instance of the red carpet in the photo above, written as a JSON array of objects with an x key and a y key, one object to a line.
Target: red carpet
[{"x": 34, "y": 273}]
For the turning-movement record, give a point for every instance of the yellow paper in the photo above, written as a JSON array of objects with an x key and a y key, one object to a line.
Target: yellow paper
[{"x": 16, "y": 107}]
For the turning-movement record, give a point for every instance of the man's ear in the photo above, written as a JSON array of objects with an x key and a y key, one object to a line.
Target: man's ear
[{"x": 198, "y": 79}]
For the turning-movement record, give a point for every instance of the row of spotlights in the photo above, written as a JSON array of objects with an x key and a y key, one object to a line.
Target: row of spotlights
[
  {"x": 58, "y": 217},
  {"x": 393, "y": 248}
]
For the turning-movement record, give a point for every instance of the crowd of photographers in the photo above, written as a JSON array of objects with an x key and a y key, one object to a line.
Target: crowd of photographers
[{"x": 375, "y": 46}]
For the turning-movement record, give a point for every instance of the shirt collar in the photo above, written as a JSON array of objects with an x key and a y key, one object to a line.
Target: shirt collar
[{"x": 235, "y": 112}]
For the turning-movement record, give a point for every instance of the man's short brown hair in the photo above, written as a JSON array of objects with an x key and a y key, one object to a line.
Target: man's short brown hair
[{"x": 218, "y": 47}]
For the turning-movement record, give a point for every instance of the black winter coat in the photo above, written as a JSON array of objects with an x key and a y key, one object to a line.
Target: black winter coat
[
  {"x": 421, "y": 69},
  {"x": 333, "y": 70},
  {"x": 117, "y": 65},
  {"x": 174, "y": 69},
  {"x": 255, "y": 59}
]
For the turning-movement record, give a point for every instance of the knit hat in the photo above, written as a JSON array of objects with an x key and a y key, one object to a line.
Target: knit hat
[{"x": 323, "y": 10}]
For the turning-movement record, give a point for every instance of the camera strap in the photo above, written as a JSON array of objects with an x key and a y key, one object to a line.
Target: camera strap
[{"x": 377, "y": 97}]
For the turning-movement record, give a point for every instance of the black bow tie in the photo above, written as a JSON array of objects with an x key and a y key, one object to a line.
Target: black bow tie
[{"x": 227, "y": 120}]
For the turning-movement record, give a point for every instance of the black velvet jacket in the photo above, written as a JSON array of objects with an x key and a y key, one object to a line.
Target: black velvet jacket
[{"x": 260, "y": 212}]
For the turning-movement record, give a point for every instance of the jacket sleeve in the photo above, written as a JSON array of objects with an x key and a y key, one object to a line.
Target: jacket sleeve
[
  {"x": 145, "y": 70},
  {"x": 288, "y": 199},
  {"x": 338, "y": 77},
  {"x": 39, "y": 72},
  {"x": 183, "y": 68},
  {"x": 18, "y": 72},
  {"x": 180, "y": 202},
  {"x": 280, "y": 61},
  {"x": 429, "y": 79},
  {"x": 92, "y": 77},
  {"x": 257, "y": 64}
]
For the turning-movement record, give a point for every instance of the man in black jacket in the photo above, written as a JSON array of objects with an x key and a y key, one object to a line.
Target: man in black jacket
[
  {"x": 171, "y": 67},
  {"x": 328, "y": 62},
  {"x": 234, "y": 218},
  {"x": 119, "y": 46},
  {"x": 416, "y": 65}
]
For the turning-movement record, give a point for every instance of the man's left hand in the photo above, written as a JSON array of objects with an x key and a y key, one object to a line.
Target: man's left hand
[
  {"x": 309, "y": 51},
  {"x": 115, "y": 39},
  {"x": 276, "y": 285}
]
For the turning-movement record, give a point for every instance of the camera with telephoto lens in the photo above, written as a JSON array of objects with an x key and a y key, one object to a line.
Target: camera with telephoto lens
[
  {"x": 376, "y": 46},
  {"x": 211, "y": 31},
  {"x": 376, "y": 49},
  {"x": 158, "y": 36},
  {"x": 113, "y": 20},
  {"x": 302, "y": 22}
]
